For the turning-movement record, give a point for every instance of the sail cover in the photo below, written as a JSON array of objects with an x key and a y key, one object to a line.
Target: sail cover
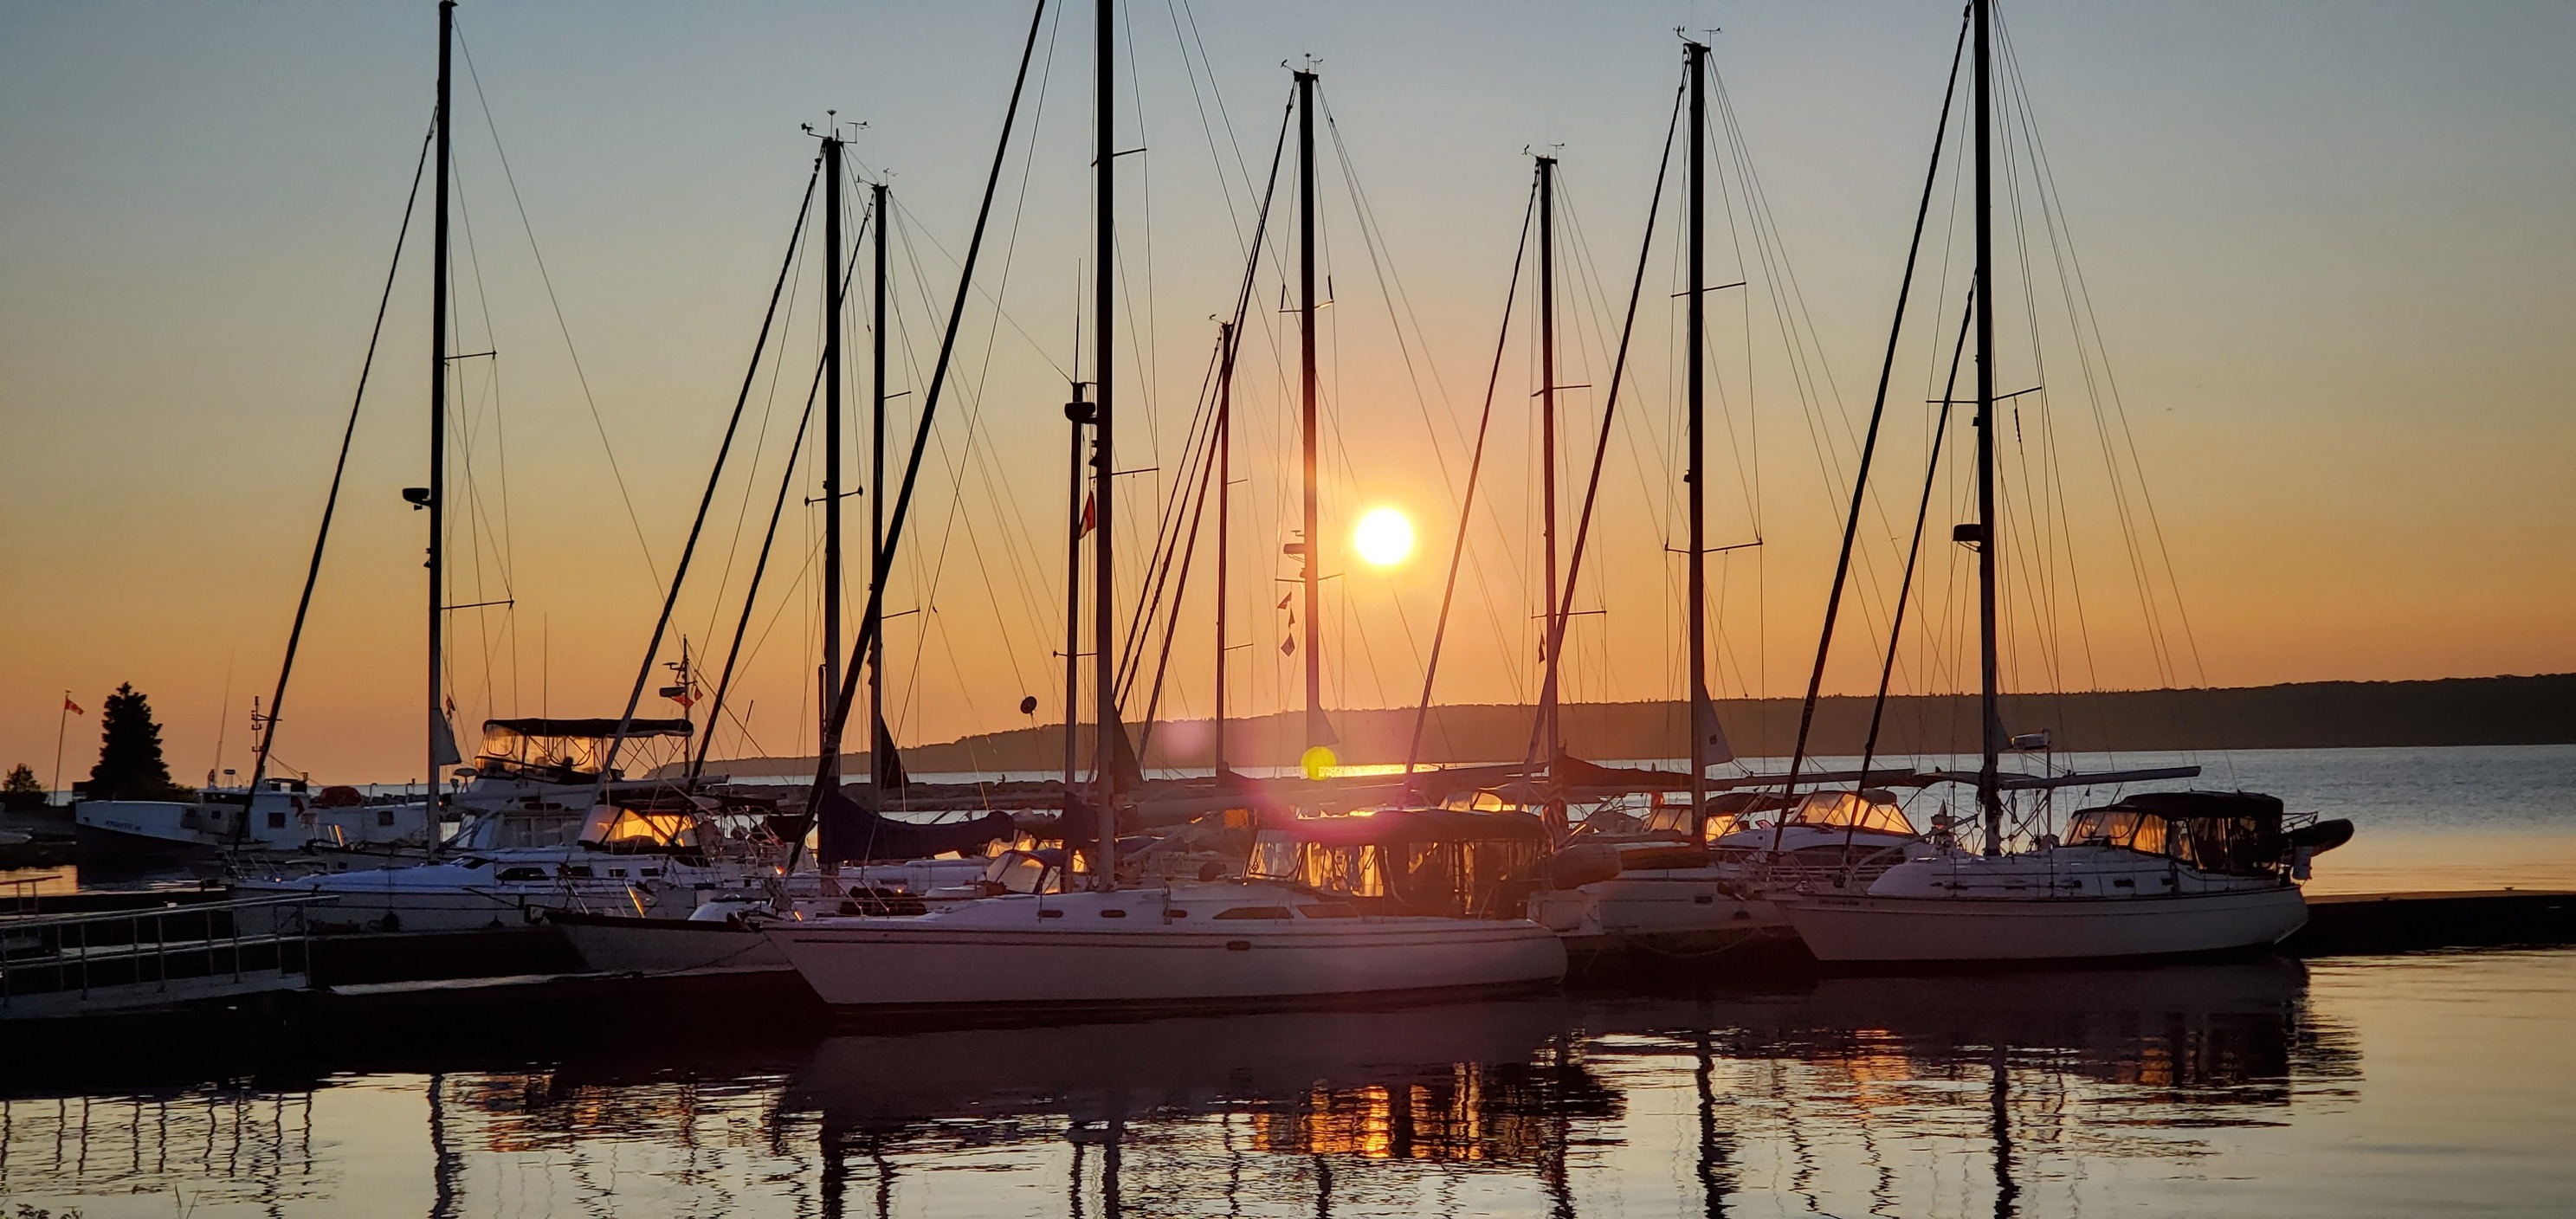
[{"x": 854, "y": 833}]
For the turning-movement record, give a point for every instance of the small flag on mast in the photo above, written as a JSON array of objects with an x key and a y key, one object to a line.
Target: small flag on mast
[
  {"x": 1090, "y": 517},
  {"x": 73, "y": 707}
]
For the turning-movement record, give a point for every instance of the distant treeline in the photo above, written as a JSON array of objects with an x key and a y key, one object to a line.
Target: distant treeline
[{"x": 2304, "y": 715}]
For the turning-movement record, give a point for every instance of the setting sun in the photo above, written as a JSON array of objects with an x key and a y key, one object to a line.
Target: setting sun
[{"x": 1384, "y": 537}]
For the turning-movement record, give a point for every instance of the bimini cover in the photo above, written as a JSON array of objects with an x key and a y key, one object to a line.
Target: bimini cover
[
  {"x": 574, "y": 743},
  {"x": 2222, "y": 831},
  {"x": 1868, "y": 809},
  {"x": 2264, "y": 810},
  {"x": 853, "y": 833}
]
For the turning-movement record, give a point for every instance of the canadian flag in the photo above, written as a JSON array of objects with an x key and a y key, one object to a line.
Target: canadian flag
[{"x": 73, "y": 707}]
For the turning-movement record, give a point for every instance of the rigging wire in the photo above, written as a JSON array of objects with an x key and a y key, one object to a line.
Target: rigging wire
[
  {"x": 680, "y": 574},
  {"x": 848, "y": 693},
  {"x": 1475, "y": 466},
  {"x": 339, "y": 469},
  {"x": 1601, "y": 446},
  {"x": 1869, "y": 447},
  {"x": 561, "y": 325}
]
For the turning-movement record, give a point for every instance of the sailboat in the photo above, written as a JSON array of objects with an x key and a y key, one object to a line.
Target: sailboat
[
  {"x": 1218, "y": 943},
  {"x": 1686, "y": 879},
  {"x": 719, "y": 931},
  {"x": 2152, "y": 874},
  {"x": 557, "y": 822}
]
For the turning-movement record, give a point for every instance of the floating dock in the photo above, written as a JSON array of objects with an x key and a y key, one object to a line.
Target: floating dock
[
  {"x": 2358, "y": 924},
  {"x": 61, "y": 966}
]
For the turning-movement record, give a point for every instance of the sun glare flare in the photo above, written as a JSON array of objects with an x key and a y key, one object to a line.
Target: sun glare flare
[{"x": 1384, "y": 537}]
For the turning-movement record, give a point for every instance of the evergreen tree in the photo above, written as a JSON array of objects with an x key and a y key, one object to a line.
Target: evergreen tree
[
  {"x": 129, "y": 753},
  {"x": 22, "y": 790}
]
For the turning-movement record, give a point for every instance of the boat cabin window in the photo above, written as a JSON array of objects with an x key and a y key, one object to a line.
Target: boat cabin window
[
  {"x": 1018, "y": 872},
  {"x": 608, "y": 826},
  {"x": 1457, "y": 876},
  {"x": 1356, "y": 870},
  {"x": 277, "y": 821},
  {"x": 384, "y": 817},
  {"x": 2144, "y": 832},
  {"x": 1274, "y": 857},
  {"x": 1256, "y": 912},
  {"x": 1669, "y": 819},
  {"x": 1719, "y": 825},
  {"x": 1328, "y": 910},
  {"x": 582, "y": 870},
  {"x": 521, "y": 873}
]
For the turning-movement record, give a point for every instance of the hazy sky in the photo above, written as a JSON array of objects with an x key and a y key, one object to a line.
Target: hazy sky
[{"x": 2327, "y": 250}]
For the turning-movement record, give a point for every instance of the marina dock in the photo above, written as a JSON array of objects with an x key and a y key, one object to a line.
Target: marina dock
[{"x": 220, "y": 974}]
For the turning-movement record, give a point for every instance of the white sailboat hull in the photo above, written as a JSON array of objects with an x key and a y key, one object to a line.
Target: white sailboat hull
[
  {"x": 669, "y": 946},
  {"x": 1667, "y": 910},
  {"x": 1858, "y": 929},
  {"x": 1008, "y": 951}
]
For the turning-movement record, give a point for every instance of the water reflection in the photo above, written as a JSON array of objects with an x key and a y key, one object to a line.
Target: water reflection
[{"x": 1913, "y": 1096}]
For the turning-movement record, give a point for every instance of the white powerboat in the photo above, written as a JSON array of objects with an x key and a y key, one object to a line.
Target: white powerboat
[
  {"x": 642, "y": 861},
  {"x": 2156, "y": 874},
  {"x": 282, "y": 815},
  {"x": 1658, "y": 893},
  {"x": 723, "y": 933},
  {"x": 1191, "y": 944}
]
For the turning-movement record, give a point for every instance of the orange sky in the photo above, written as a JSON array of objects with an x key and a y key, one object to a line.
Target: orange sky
[{"x": 2336, "y": 313}]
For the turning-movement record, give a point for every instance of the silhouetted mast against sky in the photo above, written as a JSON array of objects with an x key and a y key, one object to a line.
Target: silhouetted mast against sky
[
  {"x": 1990, "y": 720},
  {"x": 442, "y": 739},
  {"x": 1310, "y": 542},
  {"x": 1549, "y": 736},
  {"x": 832, "y": 295},
  {"x": 1224, "y": 502},
  {"x": 1694, "y": 341},
  {"x": 1103, "y": 456},
  {"x": 882, "y": 767},
  {"x": 1077, "y": 413}
]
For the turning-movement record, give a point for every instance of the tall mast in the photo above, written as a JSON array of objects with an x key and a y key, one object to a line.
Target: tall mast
[
  {"x": 1224, "y": 498},
  {"x": 1990, "y": 725},
  {"x": 1549, "y": 735},
  {"x": 1104, "y": 351},
  {"x": 1696, "y": 55},
  {"x": 832, "y": 427},
  {"x": 1311, "y": 544},
  {"x": 881, "y": 763},
  {"x": 1077, "y": 413},
  {"x": 438, "y": 731}
]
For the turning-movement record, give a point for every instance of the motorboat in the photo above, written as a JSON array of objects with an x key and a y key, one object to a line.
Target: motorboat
[
  {"x": 722, "y": 934},
  {"x": 643, "y": 860},
  {"x": 2156, "y": 874},
  {"x": 533, "y": 781},
  {"x": 1654, "y": 891},
  {"x": 280, "y": 814},
  {"x": 1192, "y": 944}
]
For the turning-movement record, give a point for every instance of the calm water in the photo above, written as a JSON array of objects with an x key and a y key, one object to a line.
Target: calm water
[
  {"x": 2396, "y": 1086},
  {"x": 2363, "y": 1086}
]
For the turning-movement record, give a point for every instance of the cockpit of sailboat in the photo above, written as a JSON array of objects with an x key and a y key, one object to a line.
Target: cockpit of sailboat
[{"x": 2238, "y": 833}]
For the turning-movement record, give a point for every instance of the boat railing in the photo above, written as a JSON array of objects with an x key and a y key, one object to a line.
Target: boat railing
[
  {"x": 55, "y": 954},
  {"x": 23, "y": 891}
]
